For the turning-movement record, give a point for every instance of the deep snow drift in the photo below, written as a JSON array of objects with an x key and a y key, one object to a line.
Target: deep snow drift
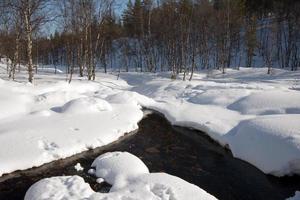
[{"x": 129, "y": 177}]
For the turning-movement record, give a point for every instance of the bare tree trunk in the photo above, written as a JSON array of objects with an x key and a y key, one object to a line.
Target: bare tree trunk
[
  {"x": 80, "y": 59},
  {"x": 16, "y": 55},
  {"x": 193, "y": 64},
  {"x": 28, "y": 30}
]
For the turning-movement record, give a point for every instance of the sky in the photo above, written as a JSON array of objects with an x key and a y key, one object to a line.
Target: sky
[{"x": 50, "y": 28}]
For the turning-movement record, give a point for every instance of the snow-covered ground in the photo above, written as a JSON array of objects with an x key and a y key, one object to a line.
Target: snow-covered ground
[
  {"x": 53, "y": 119},
  {"x": 256, "y": 115},
  {"x": 129, "y": 177}
]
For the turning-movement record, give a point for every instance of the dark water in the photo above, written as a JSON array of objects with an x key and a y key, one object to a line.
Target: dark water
[{"x": 185, "y": 153}]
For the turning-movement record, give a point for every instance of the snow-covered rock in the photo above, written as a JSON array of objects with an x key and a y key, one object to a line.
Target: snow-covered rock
[
  {"x": 100, "y": 180},
  {"x": 136, "y": 183},
  {"x": 78, "y": 167},
  {"x": 118, "y": 166},
  {"x": 59, "y": 188}
]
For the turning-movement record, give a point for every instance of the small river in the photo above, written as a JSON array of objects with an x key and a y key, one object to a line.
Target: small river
[{"x": 186, "y": 153}]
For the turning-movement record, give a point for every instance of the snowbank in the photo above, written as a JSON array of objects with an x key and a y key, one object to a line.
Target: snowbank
[
  {"x": 296, "y": 197},
  {"x": 207, "y": 118},
  {"x": 52, "y": 119},
  {"x": 137, "y": 183},
  {"x": 272, "y": 143}
]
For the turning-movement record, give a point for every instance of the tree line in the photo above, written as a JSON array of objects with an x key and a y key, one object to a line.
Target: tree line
[{"x": 181, "y": 36}]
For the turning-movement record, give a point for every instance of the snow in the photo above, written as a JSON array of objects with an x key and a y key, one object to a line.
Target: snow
[
  {"x": 118, "y": 166},
  {"x": 78, "y": 167},
  {"x": 254, "y": 114},
  {"x": 89, "y": 104},
  {"x": 12, "y": 101},
  {"x": 68, "y": 187},
  {"x": 228, "y": 108},
  {"x": 129, "y": 177},
  {"x": 269, "y": 102},
  {"x": 100, "y": 180},
  {"x": 296, "y": 197},
  {"x": 91, "y": 171},
  {"x": 51, "y": 119},
  {"x": 208, "y": 118},
  {"x": 270, "y": 142},
  {"x": 49, "y": 70}
]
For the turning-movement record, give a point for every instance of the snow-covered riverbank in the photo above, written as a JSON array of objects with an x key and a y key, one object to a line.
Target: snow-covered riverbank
[
  {"x": 53, "y": 119},
  {"x": 256, "y": 115}
]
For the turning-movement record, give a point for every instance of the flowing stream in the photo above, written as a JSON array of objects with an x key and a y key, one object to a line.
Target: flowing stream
[{"x": 186, "y": 153}]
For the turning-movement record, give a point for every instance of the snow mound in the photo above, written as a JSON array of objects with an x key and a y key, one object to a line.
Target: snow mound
[
  {"x": 115, "y": 166},
  {"x": 296, "y": 197},
  {"x": 139, "y": 184},
  {"x": 269, "y": 102},
  {"x": 271, "y": 143},
  {"x": 156, "y": 186},
  {"x": 85, "y": 105},
  {"x": 55, "y": 188},
  {"x": 128, "y": 97},
  {"x": 55, "y": 98}
]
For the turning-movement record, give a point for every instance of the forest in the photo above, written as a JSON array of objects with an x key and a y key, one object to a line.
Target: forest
[{"x": 181, "y": 36}]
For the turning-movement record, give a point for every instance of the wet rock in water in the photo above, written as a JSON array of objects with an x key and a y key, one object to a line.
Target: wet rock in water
[{"x": 152, "y": 150}]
